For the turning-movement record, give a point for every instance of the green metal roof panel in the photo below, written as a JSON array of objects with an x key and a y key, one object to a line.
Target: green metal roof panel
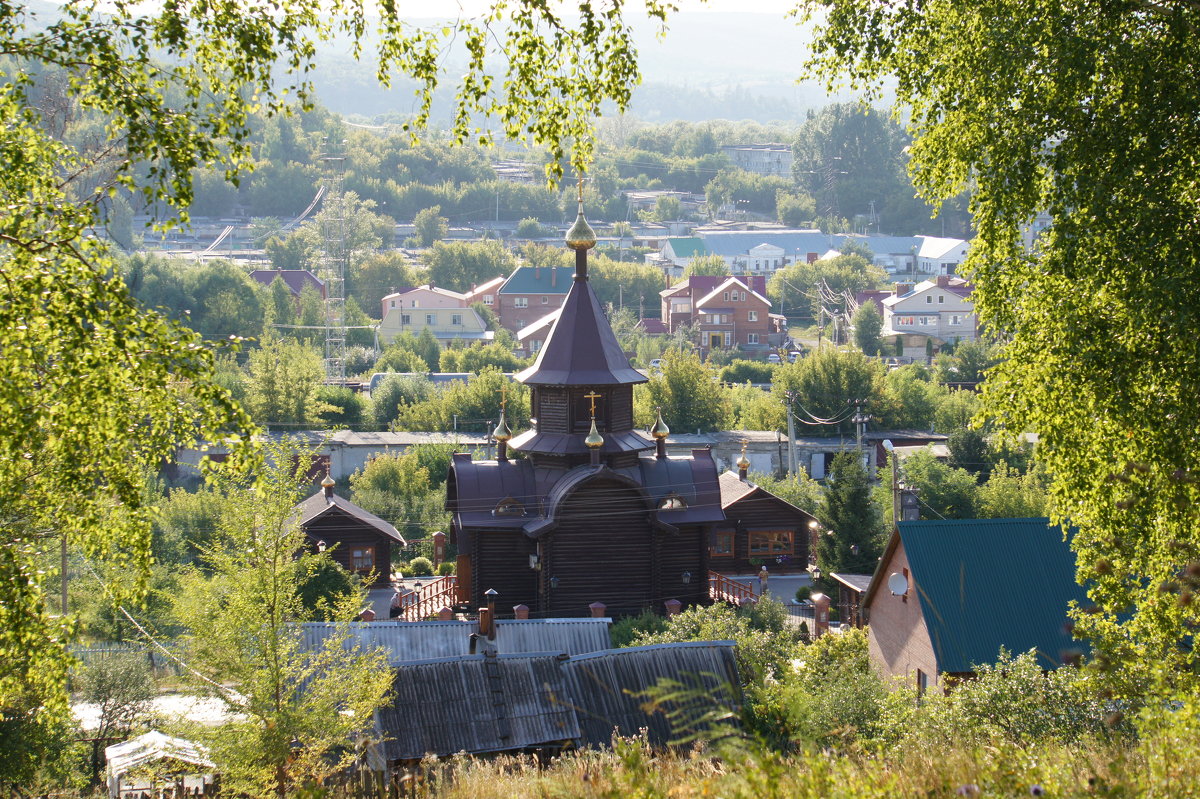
[
  {"x": 539, "y": 280},
  {"x": 688, "y": 247},
  {"x": 984, "y": 584}
]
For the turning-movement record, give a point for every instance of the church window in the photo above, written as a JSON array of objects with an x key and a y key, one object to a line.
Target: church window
[
  {"x": 771, "y": 542},
  {"x": 508, "y": 507},
  {"x": 722, "y": 545},
  {"x": 672, "y": 501},
  {"x": 362, "y": 559}
]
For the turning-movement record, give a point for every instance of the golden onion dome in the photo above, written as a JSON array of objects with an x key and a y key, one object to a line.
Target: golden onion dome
[
  {"x": 594, "y": 440},
  {"x": 328, "y": 482},
  {"x": 660, "y": 429},
  {"x": 581, "y": 236},
  {"x": 743, "y": 462},
  {"x": 502, "y": 432}
]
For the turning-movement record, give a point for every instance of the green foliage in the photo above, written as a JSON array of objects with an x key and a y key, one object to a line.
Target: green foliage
[
  {"x": 625, "y": 285},
  {"x": 819, "y": 386},
  {"x": 833, "y": 697},
  {"x": 795, "y": 209},
  {"x": 710, "y": 265},
  {"x": 430, "y": 226},
  {"x": 1008, "y": 494},
  {"x": 956, "y": 411},
  {"x": 478, "y": 356},
  {"x": 346, "y": 408},
  {"x": 764, "y": 645},
  {"x": 373, "y": 276},
  {"x": 945, "y": 492},
  {"x": 1103, "y": 144},
  {"x": 184, "y": 523},
  {"x": 625, "y": 631},
  {"x": 240, "y": 619},
  {"x": 849, "y": 156},
  {"x": 802, "y": 282},
  {"x": 285, "y": 381},
  {"x": 396, "y": 393},
  {"x": 912, "y": 400},
  {"x": 755, "y": 409},
  {"x": 475, "y": 404},
  {"x": 420, "y": 567},
  {"x": 444, "y": 568},
  {"x": 687, "y": 392},
  {"x": 853, "y": 538},
  {"x": 122, "y": 687},
  {"x": 743, "y": 371},
  {"x": 969, "y": 451},
  {"x": 459, "y": 265},
  {"x": 404, "y": 490},
  {"x": 799, "y": 489},
  {"x": 968, "y": 363},
  {"x": 867, "y": 323},
  {"x": 744, "y": 191}
]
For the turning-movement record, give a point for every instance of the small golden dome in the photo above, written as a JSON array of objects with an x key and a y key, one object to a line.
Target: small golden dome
[
  {"x": 660, "y": 429},
  {"x": 328, "y": 482},
  {"x": 502, "y": 432},
  {"x": 594, "y": 440},
  {"x": 743, "y": 462},
  {"x": 581, "y": 236}
]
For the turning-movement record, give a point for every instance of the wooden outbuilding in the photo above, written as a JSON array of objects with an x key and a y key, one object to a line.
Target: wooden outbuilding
[
  {"x": 759, "y": 529},
  {"x": 358, "y": 540}
]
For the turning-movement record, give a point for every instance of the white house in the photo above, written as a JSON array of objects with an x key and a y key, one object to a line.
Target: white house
[{"x": 940, "y": 310}]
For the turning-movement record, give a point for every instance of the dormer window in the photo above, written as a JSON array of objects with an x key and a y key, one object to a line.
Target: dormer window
[
  {"x": 672, "y": 501},
  {"x": 508, "y": 507}
]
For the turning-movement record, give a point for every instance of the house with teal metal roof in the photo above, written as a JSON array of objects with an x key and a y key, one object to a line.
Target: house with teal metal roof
[
  {"x": 531, "y": 292},
  {"x": 948, "y": 595}
]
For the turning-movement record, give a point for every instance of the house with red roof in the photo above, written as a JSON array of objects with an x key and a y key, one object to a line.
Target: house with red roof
[{"x": 730, "y": 311}]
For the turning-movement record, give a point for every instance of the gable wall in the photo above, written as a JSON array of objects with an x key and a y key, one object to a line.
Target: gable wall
[{"x": 899, "y": 638}]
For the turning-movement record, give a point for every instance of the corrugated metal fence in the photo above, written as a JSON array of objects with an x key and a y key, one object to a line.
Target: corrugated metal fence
[{"x": 90, "y": 655}]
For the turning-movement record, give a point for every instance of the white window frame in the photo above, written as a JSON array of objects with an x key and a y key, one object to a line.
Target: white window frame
[
  {"x": 752, "y": 316},
  {"x": 520, "y": 302},
  {"x": 751, "y": 338}
]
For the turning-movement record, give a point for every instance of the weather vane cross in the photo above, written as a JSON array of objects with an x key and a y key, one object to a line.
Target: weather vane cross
[
  {"x": 503, "y": 392},
  {"x": 593, "y": 396}
]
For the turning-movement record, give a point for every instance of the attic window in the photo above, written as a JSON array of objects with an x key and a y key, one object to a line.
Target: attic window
[
  {"x": 672, "y": 501},
  {"x": 508, "y": 507}
]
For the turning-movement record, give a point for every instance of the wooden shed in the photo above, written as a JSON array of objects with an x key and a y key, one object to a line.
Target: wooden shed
[{"x": 360, "y": 541}]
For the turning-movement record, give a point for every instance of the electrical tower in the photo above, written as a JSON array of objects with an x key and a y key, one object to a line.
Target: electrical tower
[{"x": 334, "y": 261}]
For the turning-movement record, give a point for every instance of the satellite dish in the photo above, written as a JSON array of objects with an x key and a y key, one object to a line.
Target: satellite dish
[{"x": 897, "y": 583}]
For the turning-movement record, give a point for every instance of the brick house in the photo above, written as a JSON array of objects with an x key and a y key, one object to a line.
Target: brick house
[
  {"x": 948, "y": 595},
  {"x": 729, "y": 311},
  {"x": 530, "y": 293}
]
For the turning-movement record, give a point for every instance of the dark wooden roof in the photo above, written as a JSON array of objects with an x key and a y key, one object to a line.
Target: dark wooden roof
[
  {"x": 855, "y": 582},
  {"x": 581, "y": 349},
  {"x": 572, "y": 443},
  {"x": 476, "y": 488},
  {"x": 734, "y": 489},
  {"x": 319, "y": 505}
]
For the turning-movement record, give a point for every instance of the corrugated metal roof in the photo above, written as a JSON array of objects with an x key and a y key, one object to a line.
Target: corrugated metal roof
[
  {"x": 687, "y": 247},
  {"x": 573, "y": 636},
  {"x": 478, "y": 703},
  {"x": 990, "y": 583},
  {"x": 857, "y": 582},
  {"x": 404, "y": 641},
  {"x": 608, "y": 688},
  {"x": 154, "y": 745}
]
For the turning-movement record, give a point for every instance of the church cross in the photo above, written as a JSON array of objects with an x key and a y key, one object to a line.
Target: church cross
[
  {"x": 503, "y": 392},
  {"x": 593, "y": 396}
]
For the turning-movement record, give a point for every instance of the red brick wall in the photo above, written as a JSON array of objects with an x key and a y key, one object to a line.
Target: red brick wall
[
  {"x": 514, "y": 318},
  {"x": 899, "y": 639}
]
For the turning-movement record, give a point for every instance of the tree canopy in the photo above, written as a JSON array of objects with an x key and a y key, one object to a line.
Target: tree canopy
[{"x": 1084, "y": 111}]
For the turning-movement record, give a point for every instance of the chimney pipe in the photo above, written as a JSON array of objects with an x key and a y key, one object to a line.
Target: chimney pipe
[
  {"x": 491, "y": 595},
  {"x": 553, "y": 277}
]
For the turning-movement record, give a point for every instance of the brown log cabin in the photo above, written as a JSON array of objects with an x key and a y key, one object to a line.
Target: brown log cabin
[
  {"x": 759, "y": 529},
  {"x": 360, "y": 541}
]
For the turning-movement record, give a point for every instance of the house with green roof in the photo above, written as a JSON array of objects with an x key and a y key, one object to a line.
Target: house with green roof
[
  {"x": 530, "y": 293},
  {"x": 948, "y": 595},
  {"x": 680, "y": 251}
]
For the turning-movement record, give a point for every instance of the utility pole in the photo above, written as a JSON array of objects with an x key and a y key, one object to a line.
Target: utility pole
[
  {"x": 860, "y": 420},
  {"x": 791, "y": 435}
]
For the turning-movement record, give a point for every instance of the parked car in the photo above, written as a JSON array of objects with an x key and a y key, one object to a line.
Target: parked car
[
  {"x": 774, "y": 358},
  {"x": 794, "y": 356},
  {"x": 656, "y": 365}
]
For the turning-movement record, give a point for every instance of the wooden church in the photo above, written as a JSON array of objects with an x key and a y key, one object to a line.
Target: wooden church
[{"x": 596, "y": 511}]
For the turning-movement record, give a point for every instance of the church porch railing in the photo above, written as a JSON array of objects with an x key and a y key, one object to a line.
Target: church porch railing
[
  {"x": 431, "y": 597},
  {"x": 723, "y": 589}
]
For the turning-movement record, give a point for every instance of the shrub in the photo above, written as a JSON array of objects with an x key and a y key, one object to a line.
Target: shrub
[
  {"x": 445, "y": 567},
  {"x": 420, "y": 567},
  {"x": 626, "y": 631}
]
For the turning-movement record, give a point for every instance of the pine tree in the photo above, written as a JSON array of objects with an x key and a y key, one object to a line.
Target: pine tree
[{"x": 853, "y": 537}]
